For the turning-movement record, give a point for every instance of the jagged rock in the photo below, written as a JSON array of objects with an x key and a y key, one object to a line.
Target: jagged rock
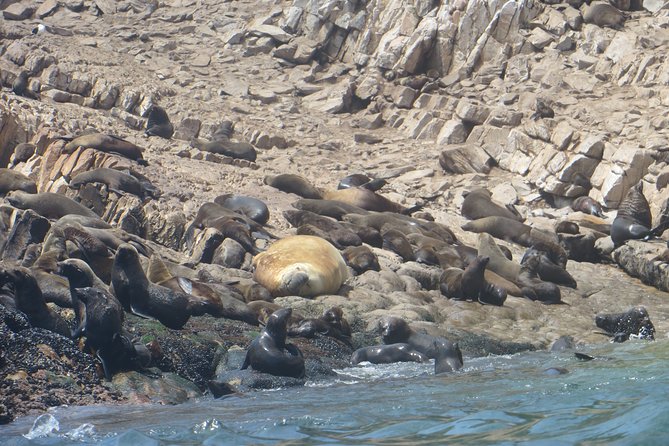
[
  {"x": 471, "y": 113},
  {"x": 466, "y": 159},
  {"x": 47, "y": 8},
  {"x": 18, "y": 11},
  {"x": 453, "y": 132},
  {"x": 403, "y": 97},
  {"x": 646, "y": 261},
  {"x": 335, "y": 99},
  {"x": 205, "y": 245}
]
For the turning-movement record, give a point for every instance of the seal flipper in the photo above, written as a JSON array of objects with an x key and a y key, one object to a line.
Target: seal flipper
[
  {"x": 247, "y": 361},
  {"x": 137, "y": 312},
  {"x": 105, "y": 366}
]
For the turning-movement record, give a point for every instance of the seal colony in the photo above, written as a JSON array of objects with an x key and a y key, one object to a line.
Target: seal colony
[{"x": 366, "y": 247}]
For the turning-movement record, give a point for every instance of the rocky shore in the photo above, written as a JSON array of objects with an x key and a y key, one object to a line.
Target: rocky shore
[{"x": 538, "y": 102}]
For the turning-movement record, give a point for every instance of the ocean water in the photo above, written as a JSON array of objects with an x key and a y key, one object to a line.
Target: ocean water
[{"x": 619, "y": 398}]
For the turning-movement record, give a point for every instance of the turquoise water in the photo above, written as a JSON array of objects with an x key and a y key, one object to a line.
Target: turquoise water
[{"x": 621, "y": 397}]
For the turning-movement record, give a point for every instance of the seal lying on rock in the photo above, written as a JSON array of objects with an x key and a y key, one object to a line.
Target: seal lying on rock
[
  {"x": 621, "y": 326},
  {"x": 12, "y": 180},
  {"x": 117, "y": 181},
  {"x": 269, "y": 352},
  {"x": 587, "y": 205},
  {"x": 395, "y": 330},
  {"x": 293, "y": 184},
  {"x": 253, "y": 208},
  {"x": 222, "y": 145},
  {"x": 361, "y": 259},
  {"x": 478, "y": 203},
  {"x": 300, "y": 265},
  {"x": 331, "y": 323},
  {"x": 49, "y": 204},
  {"x": 471, "y": 284},
  {"x": 361, "y": 180},
  {"x": 386, "y": 354},
  {"x": 106, "y": 143}
]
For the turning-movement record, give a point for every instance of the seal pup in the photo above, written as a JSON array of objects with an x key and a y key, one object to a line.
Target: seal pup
[
  {"x": 634, "y": 219},
  {"x": 587, "y": 205},
  {"x": 30, "y": 301},
  {"x": 333, "y": 231},
  {"x": 293, "y": 184},
  {"x": 620, "y": 326},
  {"x": 478, "y": 203},
  {"x": 300, "y": 265},
  {"x": 253, "y": 208},
  {"x": 396, "y": 330},
  {"x": 158, "y": 123},
  {"x": 533, "y": 287},
  {"x": 471, "y": 284},
  {"x": 48, "y": 204},
  {"x": 108, "y": 144},
  {"x": 552, "y": 263},
  {"x": 270, "y": 353},
  {"x": 361, "y": 259},
  {"x": 137, "y": 294},
  {"x": 331, "y": 323},
  {"x": 387, "y": 354},
  {"x": 12, "y": 180}
]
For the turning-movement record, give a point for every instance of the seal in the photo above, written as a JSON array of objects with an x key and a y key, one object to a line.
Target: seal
[
  {"x": 369, "y": 200},
  {"x": 300, "y": 265},
  {"x": 502, "y": 228},
  {"x": 328, "y": 208},
  {"x": 471, "y": 284},
  {"x": 603, "y": 14},
  {"x": 395, "y": 241},
  {"x": 222, "y": 145},
  {"x": 567, "y": 227},
  {"x": 253, "y": 208},
  {"x": 30, "y": 301},
  {"x": 387, "y": 354},
  {"x": 331, "y": 323},
  {"x": 22, "y": 152},
  {"x": 12, "y": 180},
  {"x": 498, "y": 262},
  {"x": 158, "y": 123},
  {"x": 101, "y": 323},
  {"x": 293, "y": 184},
  {"x": 395, "y": 330},
  {"x": 634, "y": 219},
  {"x": 20, "y": 86},
  {"x": 269, "y": 352},
  {"x": 108, "y": 144},
  {"x": 587, "y": 205},
  {"x": 447, "y": 360},
  {"x": 552, "y": 259},
  {"x": 478, "y": 203},
  {"x": 361, "y": 259},
  {"x": 361, "y": 180},
  {"x": 333, "y": 231},
  {"x": 620, "y": 326},
  {"x": 137, "y": 294},
  {"x": 49, "y": 204},
  {"x": 117, "y": 181},
  {"x": 533, "y": 287}
]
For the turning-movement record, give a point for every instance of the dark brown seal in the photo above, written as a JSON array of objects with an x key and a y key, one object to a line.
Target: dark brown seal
[
  {"x": 293, "y": 184},
  {"x": 117, "y": 181},
  {"x": 634, "y": 219},
  {"x": 361, "y": 180},
  {"x": 222, "y": 145},
  {"x": 587, "y": 205},
  {"x": 634, "y": 322},
  {"x": 106, "y": 143},
  {"x": 502, "y": 228},
  {"x": 333, "y": 231},
  {"x": 328, "y": 208},
  {"x": 395, "y": 330},
  {"x": 471, "y": 284},
  {"x": 138, "y": 295},
  {"x": 158, "y": 123},
  {"x": 361, "y": 259},
  {"x": 48, "y": 204},
  {"x": 12, "y": 180},
  {"x": 478, "y": 203},
  {"x": 387, "y": 354},
  {"x": 369, "y": 200},
  {"x": 331, "y": 323},
  {"x": 253, "y": 208},
  {"x": 270, "y": 353}
]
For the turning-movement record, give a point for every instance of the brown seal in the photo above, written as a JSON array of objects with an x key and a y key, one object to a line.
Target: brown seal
[
  {"x": 587, "y": 205},
  {"x": 331, "y": 323},
  {"x": 502, "y": 228},
  {"x": 137, "y": 294},
  {"x": 387, "y": 354},
  {"x": 117, "y": 181},
  {"x": 603, "y": 14},
  {"x": 478, "y": 203},
  {"x": 367, "y": 199},
  {"x": 48, "y": 204},
  {"x": 498, "y": 262},
  {"x": 328, "y": 208},
  {"x": 395, "y": 241},
  {"x": 634, "y": 219},
  {"x": 106, "y": 143},
  {"x": 29, "y": 300},
  {"x": 12, "y": 180},
  {"x": 293, "y": 184},
  {"x": 300, "y": 265},
  {"x": 334, "y": 231},
  {"x": 158, "y": 123},
  {"x": 471, "y": 284},
  {"x": 222, "y": 145},
  {"x": 251, "y": 207},
  {"x": 361, "y": 259}
]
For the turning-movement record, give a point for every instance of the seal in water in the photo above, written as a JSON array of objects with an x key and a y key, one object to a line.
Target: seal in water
[
  {"x": 634, "y": 322},
  {"x": 12, "y": 180},
  {"x": 143, "y": 298},
  {"x": 108, "y": 144},
  {"x": 587, "y": 205},
  {"x": 49, "y": 204},
  {"x": 253, "y": 208},
  {"x": 293, "y": 184},
  {"x": 159, "y": 123},
  {"x": 633, "y": 220},
  {"x": 269, "y": 352},
  {"x": 300, "y": 265},
  {"x": 395, "y": 330},
  {"x": 29, "y": 300},
  {"x": 471, "y": 284},
  {"x": 386, "y": 354},
  {"x": 478, "y": 203}
]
